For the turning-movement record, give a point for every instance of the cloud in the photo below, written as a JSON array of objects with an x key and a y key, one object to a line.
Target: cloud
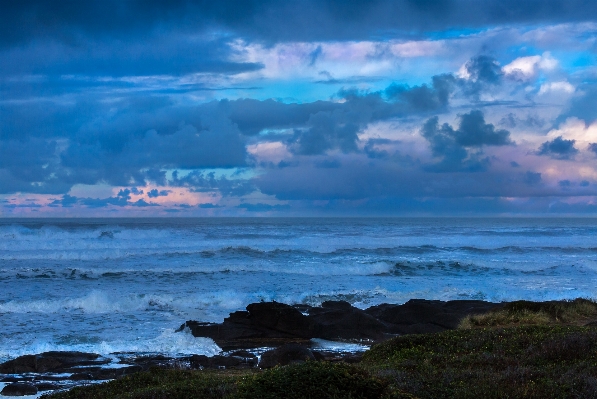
[
  {"x": 527, "y": 68},
  {"x": 155, "y": 193},
  {"x": 483, "y": 69},
  {"x": 453, "y": 145},
  {"x": 558, "y": 148},
  {"x": 25, "y": 21},
  {"x": 582, "y": 106},
  {"x": 532, "y": 178},
  {"x": 593, "y": 147},
  {"x": 122, "y": 199}
]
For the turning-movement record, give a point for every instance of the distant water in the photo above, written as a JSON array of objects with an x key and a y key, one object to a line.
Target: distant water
[{"x": 125, "y": 285}]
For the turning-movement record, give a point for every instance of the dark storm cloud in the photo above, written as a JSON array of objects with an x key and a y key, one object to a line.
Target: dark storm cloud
[
  {"x": 453, "y": 146},
  {"x": 484, "y": 72},
  {"x": 362, "y": 178},
  {"x": 171, "y": 56},
  {"x": 134, "y": 138},
  {"x": 67, "y": 20},
  {"x": 558, "y": 148},
  {"x": 123, "y": 198},
  {"x": 208, "y": 182},
  {"x": 155, "y": 193}
]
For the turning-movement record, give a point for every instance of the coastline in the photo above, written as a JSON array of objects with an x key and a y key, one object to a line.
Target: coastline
[{"x": 271, "y": 334}]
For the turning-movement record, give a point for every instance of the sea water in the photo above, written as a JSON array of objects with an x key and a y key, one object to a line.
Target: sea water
[{"x": 126, "y": 285}]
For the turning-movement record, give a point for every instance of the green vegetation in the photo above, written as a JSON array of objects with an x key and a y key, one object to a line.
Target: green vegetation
[
  {"x": 315, "y": 380},
  {"x": 515, "y": 362},
  {"x": 157, "y": 384},
  {"x": 576, "y": 312}
]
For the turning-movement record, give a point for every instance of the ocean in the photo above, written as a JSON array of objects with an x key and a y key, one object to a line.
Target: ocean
[{"x": 125, "y": 285}]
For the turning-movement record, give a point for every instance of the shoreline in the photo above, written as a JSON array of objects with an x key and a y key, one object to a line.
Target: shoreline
[{"x": 271, "y": 333}]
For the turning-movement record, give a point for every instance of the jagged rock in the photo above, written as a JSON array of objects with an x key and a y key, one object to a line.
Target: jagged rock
[
  {"x": 47, "y": 386},
  {"x": 286, "y": 354},
  {"x": 50, "y": 362},
  {"x": 19, "y": 389},
  {"x": 81, "y": 377},
  {"x": 339, "y": 320},
  {"x": 273, "y": 323},
  {"x": 264, "y": 323},
  {"x": 425, "y": 316}
]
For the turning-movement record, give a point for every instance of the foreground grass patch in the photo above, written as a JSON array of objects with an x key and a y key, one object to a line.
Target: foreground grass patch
[
  {"x": 576, "y": 312},
  {"x": 517, "y": 362},
  {"x": 312, "y": 380},
  {"x": 157, "y": 384},
  {"x": 549, "y": 361}
]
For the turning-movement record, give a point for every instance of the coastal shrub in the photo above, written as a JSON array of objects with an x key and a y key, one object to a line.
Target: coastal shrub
[
  {"x": 577, "y": 312},
  {"x": 516, "y": 362},
  {"x": 156, "y": 384},
  {"x": 312, "y": 380}
]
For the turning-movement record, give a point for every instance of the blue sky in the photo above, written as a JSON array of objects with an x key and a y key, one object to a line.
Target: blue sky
[{"x": 298, "y": 108}]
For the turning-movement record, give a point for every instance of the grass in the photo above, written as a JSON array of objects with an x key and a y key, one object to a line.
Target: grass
[
  {"x": 311, "y": 380},
  {"x": 515, "y": 362},
  {"x": 576, "y": 312},
  {"x": 157, "y": 384}
]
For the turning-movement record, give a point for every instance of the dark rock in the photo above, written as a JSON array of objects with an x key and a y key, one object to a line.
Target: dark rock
[
  {"x": 286, "y": 354},
  {"x": 113, "y": 373},
  {"x": 340, "y": 305},
  {"x": 16, "y": 379},
  {"x": 81, "y": 377},
  {"x": 339, "y": 320},
  {"x": 50, "y": 362},
  {"x": 263, "y": 324},
  {"x": 281, "y": 318},
  {"x": 223, "y": 362},
  {"x": 47, "y": 386},
  {"x": 274, "y": 324},
  {"x": 19, "y": 389},
  {"x": 425, "y": 316}
]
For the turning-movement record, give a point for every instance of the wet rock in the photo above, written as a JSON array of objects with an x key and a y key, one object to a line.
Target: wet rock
[
  {"x": 81, "y": 377},
  {"x": 113, "y": 373},
  {"x": 263, "y": 324},
  {"x": 223, "y": 362},
  {"x": 47, "y": 386},
  {"x": 426, "y": 316},
  {"x": 274, "y": 324},
  {"x": 19, "y": 389},
  {"x": 50, "y": 362},
  {"x": 338, "y": 320},
  {"x": 286, "y": 354}
]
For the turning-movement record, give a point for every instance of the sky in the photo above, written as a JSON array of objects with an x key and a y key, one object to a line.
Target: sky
[{"x": 298, "y": 108}]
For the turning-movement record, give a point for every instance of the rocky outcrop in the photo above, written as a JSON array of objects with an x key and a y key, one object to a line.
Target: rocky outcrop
[
  {"x": 273, "y": 323},
  {"x": 419, "y": 316},
  {"x": 19, "y": 389},
  {"x": 55, "y": 362},
  {"x": 263, "y": 324}
]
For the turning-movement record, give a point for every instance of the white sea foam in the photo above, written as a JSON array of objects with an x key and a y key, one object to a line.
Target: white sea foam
[{"x": 169, "y": 343}]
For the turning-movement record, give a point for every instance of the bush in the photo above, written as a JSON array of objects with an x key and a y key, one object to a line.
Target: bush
[
  {"x": 517, "y": 362},
  {"x": 156, "y": 384},
  {"x": 315, "y": 380}
]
